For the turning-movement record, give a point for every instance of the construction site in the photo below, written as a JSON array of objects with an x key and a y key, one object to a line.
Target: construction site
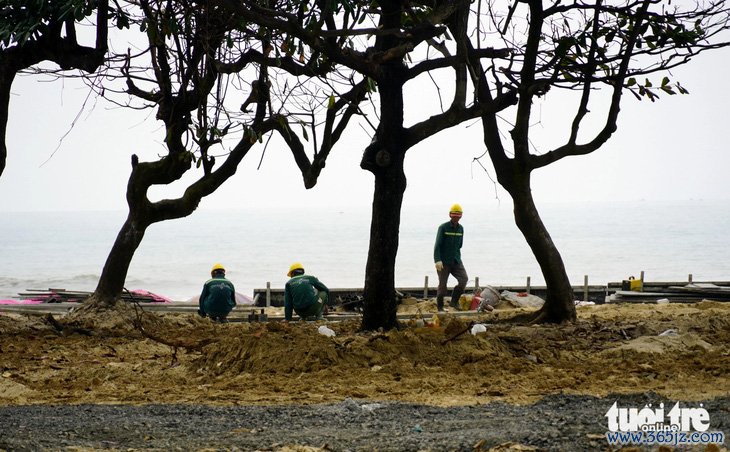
[{"x": 133, "y": 356}]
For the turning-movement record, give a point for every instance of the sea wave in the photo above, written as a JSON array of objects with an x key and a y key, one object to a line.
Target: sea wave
[{"x": 606, "y": 242}]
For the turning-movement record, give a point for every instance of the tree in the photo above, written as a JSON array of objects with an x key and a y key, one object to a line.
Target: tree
[
  {"x": 46, "y": 30},
  {"x": 377, "y": 42},
  {"x": 200, "y": 56},
  {"x": 182, "y": 82},
  {"x": 579, "y": 47}
]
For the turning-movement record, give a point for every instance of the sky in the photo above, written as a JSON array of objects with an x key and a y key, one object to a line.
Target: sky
[{"x": 69, "y": 152}]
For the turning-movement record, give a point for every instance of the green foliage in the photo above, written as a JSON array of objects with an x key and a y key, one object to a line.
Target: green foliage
[
  {"x": 22, "y": 20},
  {"x": 76, "y": 9},
  {"x": 25, "y": 20},
  {"x": 250, "y": 135},
  {"x": 304, "y": 130},
  {"x": 651, "y": 92},
  {"x": 581, "y": 53},
  {"x": 372, "y": 85}
]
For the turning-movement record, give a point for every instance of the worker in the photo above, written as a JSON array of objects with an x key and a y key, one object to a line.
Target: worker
[
  {"x": 218, "y": 296},
  {"x": 304, "y": 294},
  {"x": 447, "y": 256}
]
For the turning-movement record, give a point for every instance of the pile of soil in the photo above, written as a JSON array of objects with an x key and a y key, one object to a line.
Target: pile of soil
[{"x": 675, "y": 351}]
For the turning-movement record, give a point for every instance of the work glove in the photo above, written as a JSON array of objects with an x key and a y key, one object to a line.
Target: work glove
[{"x": 439, "y": 266}]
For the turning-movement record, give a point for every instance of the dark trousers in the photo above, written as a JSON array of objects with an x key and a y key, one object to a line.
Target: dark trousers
[
  {"x": 314, "y": 310},
  {"x": 459, "y": 272}
]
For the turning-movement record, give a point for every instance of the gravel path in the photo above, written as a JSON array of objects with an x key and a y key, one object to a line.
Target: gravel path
[{"x": 573, "y": 423}]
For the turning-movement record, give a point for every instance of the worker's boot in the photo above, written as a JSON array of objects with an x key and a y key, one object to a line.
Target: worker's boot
[
  {"x": 440, "y": 303},
  {"x": 455, "y": 295}
]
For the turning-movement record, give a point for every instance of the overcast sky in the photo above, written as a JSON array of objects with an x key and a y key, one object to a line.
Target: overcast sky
[{"x": 675, "y": 148}]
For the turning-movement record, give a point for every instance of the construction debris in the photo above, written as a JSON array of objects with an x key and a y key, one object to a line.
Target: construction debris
[
  {"x": 69, "y": 296},
  {"x": 690, "y": 293}
]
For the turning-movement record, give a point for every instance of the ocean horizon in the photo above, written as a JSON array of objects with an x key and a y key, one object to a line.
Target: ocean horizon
[{"x": 607, "y": 241}]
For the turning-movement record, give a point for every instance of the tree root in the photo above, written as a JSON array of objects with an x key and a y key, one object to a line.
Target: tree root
[
  {"x": 459, "y": 333},
  {"x": 94, "y": 306},
  {"x": 543, "y": 316},
  {"x": 131, "y": 315},
  {"x": 65, "y": 329},
  {"x": 138, "y": 324},
  {"x": 538, "y": 317}
]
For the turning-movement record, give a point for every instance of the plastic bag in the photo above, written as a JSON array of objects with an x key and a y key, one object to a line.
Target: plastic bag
[{"x": 325, "y": 331}]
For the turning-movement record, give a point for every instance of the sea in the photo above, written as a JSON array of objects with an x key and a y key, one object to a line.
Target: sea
[{"x": 603, "y": 241}]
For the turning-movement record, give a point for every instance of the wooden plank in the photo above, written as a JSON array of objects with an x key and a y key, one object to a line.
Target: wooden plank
[{"x": 239, "y": 314}]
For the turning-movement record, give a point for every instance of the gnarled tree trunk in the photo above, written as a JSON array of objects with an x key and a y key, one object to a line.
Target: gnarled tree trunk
[
  {"x": 114, "y": 274},
  {"x": 142, "y": 213},
  {"x": 559, "y": 303}
]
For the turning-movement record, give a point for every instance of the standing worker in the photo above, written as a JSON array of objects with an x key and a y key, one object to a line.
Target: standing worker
[
  {"x": 447, "y": 256},
  {"x": 304, "y": 294},
  {"x": 218, "y": 296}
]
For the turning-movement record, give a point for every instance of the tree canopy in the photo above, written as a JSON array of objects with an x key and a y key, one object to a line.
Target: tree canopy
[
  {"x": 35, "y": 31},
  {"x": 580, "y": 47}
]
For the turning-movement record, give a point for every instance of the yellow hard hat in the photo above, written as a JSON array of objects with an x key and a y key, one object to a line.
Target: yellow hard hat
[
  {"x": 217, "y": 267},
  {"x": 456, "y": 208},
  {"x": 294, "y": 266}
]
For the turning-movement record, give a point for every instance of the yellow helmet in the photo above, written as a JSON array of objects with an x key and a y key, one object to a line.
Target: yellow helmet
[
  {"x": 294, "y": 266},
  {"x": 456, "y": 209},
  {"x": 217, "y": 267}
]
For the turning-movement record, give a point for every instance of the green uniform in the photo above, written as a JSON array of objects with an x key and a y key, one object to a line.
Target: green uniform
[
  {"x": 217, "y": 298},
  {"x": 449, "y": 239},
  {"x": 306, "y": 295}
]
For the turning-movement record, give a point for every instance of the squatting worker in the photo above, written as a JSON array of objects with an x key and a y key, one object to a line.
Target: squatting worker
[
  {"x": 304, "y": 294},
  {"x": 218, "y": 296},
  {"x": 447, "y": 256}
]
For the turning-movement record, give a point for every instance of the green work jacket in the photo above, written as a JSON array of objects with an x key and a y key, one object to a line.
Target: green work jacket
[
  {"x": 218, "y": 297},
  {"x": 449, "y": 239},
  {"x": 301, "y": 292}
]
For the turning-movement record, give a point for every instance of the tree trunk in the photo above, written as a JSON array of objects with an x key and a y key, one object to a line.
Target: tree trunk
[
  {"x": 114, "y": 274},
  {"x": 379, "y": 293},
  {"x": 384, "y": 158},
  {"x": 559, "y": 303},
  {"x": 7, "y": 75}
]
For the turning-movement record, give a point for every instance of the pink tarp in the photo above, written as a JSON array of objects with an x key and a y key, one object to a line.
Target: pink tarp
[
  {"x": 21, "y": 301},
  {"x": 52, "y": 297},
  {"x": 155, "y": 298}
]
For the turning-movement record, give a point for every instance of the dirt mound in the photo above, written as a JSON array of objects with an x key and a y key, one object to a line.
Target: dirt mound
[
  {"x": 673, "y": 342},
  {"x": 298, "y": 348},
  {"x": 11, "y": 324},
  {"x": 679, "y": 351}
]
